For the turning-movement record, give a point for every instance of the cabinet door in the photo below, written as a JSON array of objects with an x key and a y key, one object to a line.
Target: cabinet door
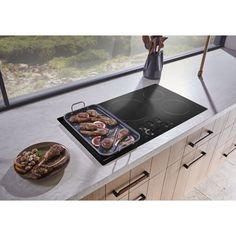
[
  {"x": 224, "y": 136},
  {"x": 155, "y": 187},
  {"x": 176, "y": 151},
  {"x": 170, "y": 181},
  {"x": 195, "y": 165},
  {"x": 207, "y": 159},
  {"x": 183, "y": 176},
  {"x": 217, "y": 159},
  {"x": 189, "y": 169},
  {"x": 159, "y": 162}
]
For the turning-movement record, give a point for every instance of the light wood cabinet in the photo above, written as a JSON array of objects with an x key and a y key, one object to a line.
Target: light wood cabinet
[
  {"x": 138, "y": 171},
  {"x": 159, "y": 162},
  {"x": 99, "y": 194},
  {"x": 155, "y": 187},
  {"x": 192, "y": 138},
  {"x": 231, "y": 118},
  {"x": 217, "y": 159},
  {"x": 116, "y": 185},
  {"x": 220, "y": 123},
  {"x": 176, "y": 151},
  {"x": 139, "y": 193},
  {"x": 224, "y": 136},
  {"x": 170, "y": 181},
  {"x": 124, "y": 198},
  {"x": 209, "y": 153}
]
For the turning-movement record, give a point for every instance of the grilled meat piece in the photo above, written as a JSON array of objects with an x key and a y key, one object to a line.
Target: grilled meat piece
[
  {"x": 88, "y": 126},
  {"x": 97, "y": 132},
  {"x": 83, "y": 115},
  {"x": 55, "y": 150},
  {"x": 92, "y": 113},
  {"x": 77, "y": 119},
  {"x": 105, "y": 119},
  {"x": 44, "y": 169},
  {"x": 107, "y": 143},
  {"x": 122, "y": 133}
]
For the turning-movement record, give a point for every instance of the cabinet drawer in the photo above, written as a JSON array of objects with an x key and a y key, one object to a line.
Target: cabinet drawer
[
  {"x": 139, "y": 193},
  {"x": 176, "y": 151},
  {"x": 159, "y": 162},
  {"x": 137, "y": 173},
  {"x": 199, "y": 137},
  {"x": 186, "y": 176},
  {"x": 155, "y": 187},
  {"x": 195, "y": 166},
  {"x": 117, "y": 184},
  {"x": 170, "y": 181}
]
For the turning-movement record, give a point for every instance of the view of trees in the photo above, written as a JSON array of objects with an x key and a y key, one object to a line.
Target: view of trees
[{"x": 33, "y": 63}]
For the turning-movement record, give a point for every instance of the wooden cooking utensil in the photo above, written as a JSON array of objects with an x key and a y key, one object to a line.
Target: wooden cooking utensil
[{"x": 203, "y": 58}]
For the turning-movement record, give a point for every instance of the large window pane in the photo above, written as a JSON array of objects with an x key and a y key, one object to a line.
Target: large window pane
[
  {"x": 1, "y": 100},
  {"x": 35, "y": 63}
]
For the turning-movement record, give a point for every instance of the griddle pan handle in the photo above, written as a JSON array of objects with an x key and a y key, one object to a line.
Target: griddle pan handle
[{"x": 72, "y": 106}]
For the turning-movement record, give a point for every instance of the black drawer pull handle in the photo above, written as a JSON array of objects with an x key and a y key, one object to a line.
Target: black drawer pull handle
[
  {"x": 141, "y": 197},
  {"x": 209, "y": 132},
  {"x": 144, "y": 175},
  {"x": 188, "y": 165},
  {"x": 230, "y": 151}
]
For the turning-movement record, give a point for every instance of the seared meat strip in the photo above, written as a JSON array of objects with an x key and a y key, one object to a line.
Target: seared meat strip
[
  {"x": 78, "y": 119},
  {"x": 88, "y": 126},
  {"x": 97, "y": 132},
  {"x": 105, "y": 119},
  {"x": 83, "y": 115},
  {"x": 55, "y": 150},
  {"x": 92, "y": 112}
]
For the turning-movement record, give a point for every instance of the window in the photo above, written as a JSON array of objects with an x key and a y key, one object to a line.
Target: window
[
  {"x": 32, "y": 64},
  {"x": 1, "y": 100}
]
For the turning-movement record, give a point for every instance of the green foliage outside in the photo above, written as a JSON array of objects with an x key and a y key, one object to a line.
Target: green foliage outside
[{"x": 33, "y": 63}]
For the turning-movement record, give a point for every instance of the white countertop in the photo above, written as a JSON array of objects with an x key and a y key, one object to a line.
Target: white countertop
[{"x": 37, "y": 122}]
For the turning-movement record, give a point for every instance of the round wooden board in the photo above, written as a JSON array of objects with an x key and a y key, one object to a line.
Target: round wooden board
[{"x": 44, "y": 146}]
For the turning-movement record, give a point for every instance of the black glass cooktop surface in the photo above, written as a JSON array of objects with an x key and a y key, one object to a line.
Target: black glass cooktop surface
[{"x": 152, "y": 110}]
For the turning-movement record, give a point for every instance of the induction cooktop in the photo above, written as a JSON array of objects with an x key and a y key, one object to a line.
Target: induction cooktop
[{"x": 152, "y": 110}]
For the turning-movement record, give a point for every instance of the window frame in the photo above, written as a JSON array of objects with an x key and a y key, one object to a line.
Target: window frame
[{"x": 219, "y": 42}]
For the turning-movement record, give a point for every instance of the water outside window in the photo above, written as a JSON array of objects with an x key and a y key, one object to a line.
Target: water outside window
[{"x": 34, "y": 63}]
